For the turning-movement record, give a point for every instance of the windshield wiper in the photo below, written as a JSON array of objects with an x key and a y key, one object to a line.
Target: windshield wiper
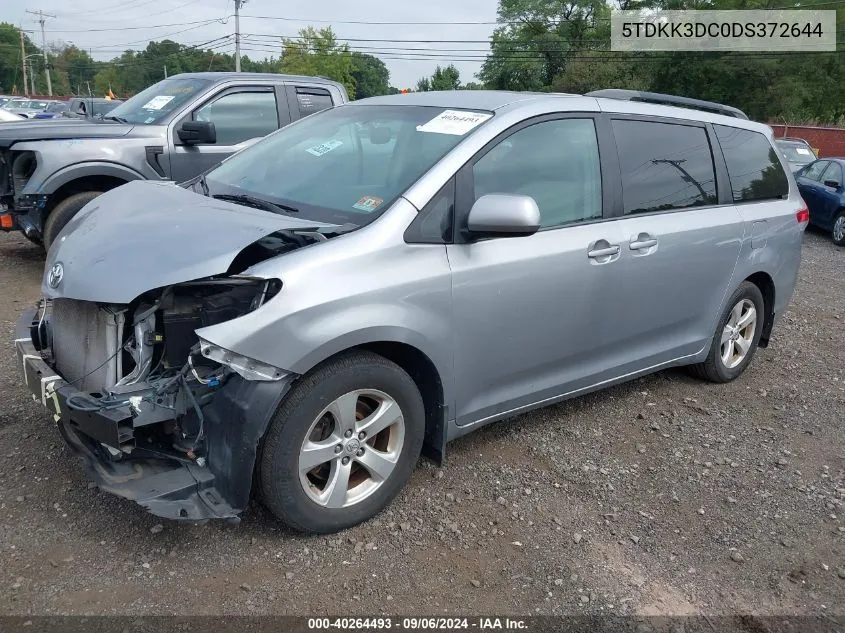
[
  {"x": 111, "y": 117},
  {"x": 258, "y": 203}
]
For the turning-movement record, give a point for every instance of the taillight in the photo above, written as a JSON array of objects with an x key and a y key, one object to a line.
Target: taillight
[{"x": 803, "y": 214}]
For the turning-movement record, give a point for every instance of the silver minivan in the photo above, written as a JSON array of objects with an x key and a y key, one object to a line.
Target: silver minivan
[{"x": 385, "y": 276}]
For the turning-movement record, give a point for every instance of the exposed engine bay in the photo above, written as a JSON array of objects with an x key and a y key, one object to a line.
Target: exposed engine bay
[{"x": 147, "y": 356}]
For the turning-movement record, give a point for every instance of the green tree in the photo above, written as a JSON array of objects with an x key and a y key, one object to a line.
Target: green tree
[
  {"x": 371, "y": 76},
  {"x": 11, "y": 73},
  {"x": 318, "y": 53},
  {"x": 443, "y": 79}
]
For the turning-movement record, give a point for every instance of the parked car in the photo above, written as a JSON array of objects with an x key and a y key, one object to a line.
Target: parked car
[
  {"x": 26, "y": 107},
  {"x": 4, "y": 99},
  {"x": 54, "y": 110},
  {"x": 90, "y": 107},
  {"x": 315, "y": 310},
  {"x": 173, "y": 130},
  {"x": 797, "y": 152},
  {"x": 5, "y": 115},
  {"x": 820, "y": 184}
]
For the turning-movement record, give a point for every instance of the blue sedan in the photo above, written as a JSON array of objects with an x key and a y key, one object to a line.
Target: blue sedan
[{"x": 820, "y": 184}]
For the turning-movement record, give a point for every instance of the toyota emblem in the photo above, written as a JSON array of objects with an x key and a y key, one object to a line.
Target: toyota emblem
[{"x": 54, "y": 277}]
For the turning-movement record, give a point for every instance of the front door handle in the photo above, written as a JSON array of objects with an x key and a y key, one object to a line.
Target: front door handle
[{"x": 608, "y": 251}]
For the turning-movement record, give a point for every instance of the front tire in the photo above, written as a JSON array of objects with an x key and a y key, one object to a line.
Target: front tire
[
  {"x": 62, "y": 214},
  {"x": 838, "y": 231},
  {"x": 342, "y": 444},
  {"x": 736, "y": 338}
]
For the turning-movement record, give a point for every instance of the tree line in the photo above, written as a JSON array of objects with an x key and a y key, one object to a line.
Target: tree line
[{"x": 538, "y": 45}]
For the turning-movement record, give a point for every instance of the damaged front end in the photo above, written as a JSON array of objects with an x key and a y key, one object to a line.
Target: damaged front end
[{"x": 157, "y": 415}]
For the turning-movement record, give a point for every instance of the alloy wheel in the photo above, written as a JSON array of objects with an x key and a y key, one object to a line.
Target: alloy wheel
[
  {"x": 351, "y": 448},
  {"x": 738, "y": 333}
]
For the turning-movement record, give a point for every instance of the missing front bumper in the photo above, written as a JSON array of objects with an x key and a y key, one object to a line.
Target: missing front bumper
[{"x": 236, "y": 419}]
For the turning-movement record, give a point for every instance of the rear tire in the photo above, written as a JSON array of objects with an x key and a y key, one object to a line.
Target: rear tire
[
  {"x": 352, "y": 477},
  {"x": 736, "y": 338},
  {"x": 838, "y": 231},
  {"x": 62, "y": 214}
]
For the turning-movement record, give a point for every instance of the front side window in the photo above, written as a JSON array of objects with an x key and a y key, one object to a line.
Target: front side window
[
  {"x": 239, "y": 116},
  {"x": 814, "y": 171},
  {"x": 832, "y": 176},
  {"x": 664, "y": 166},
  {"x": 753, "y": 165},
  {"x": 156, "y": 103},
  {"x": 555, "y": 162},
  {"x": 346, "y": 164}
]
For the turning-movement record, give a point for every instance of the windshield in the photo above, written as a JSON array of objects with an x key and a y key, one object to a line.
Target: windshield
[
  {"x": 103, "y": 107},
  {"x": 796, "y": 152},
  {"x": 155, "y": 103},
  {"x": 57, "y": 107},
  {"x": 347, "y": 164}
]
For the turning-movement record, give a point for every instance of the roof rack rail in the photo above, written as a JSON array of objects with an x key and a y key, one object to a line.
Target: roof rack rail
[{"x": 656, "y": 97}]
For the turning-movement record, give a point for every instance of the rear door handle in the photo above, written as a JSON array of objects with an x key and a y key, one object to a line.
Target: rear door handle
[
  {"x": 603, "y": 252},
  {"x": 639, "y": 245},
  {"x": 642, "y": 242}
]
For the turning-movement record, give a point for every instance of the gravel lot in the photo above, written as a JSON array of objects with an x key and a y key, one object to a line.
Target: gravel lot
[{"x": 662, "y": 496}]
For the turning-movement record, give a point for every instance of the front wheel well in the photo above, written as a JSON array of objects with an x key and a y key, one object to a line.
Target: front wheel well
[
  {"x": 81, "y": 185},
  {"x": 424, "y": 373},
  {"x": 764, "y": 282}
]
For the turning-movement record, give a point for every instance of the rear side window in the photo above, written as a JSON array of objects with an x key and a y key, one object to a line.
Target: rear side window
[
  {"x": 664, "y": 166},
  {"x": 312, "y": 100},
  {"x": 753, "y": 165}
]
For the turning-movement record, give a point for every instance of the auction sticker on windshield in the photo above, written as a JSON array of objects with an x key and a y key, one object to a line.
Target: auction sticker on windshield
[
  {"x": 157, "y": 103},
  {"x": 324, "y": 148},
  {"x": 456, "y": 122},
  {"x": 368, "y": 203}
]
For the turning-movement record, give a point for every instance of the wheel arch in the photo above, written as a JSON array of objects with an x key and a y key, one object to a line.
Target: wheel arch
[
  {"x": 82, "y": 178},
  {"x": 766, "y": 285},
  {"x": 425, "y": 374}
]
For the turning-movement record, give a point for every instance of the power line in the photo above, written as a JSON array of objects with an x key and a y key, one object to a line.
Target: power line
[{"x": 150, "y": 26}]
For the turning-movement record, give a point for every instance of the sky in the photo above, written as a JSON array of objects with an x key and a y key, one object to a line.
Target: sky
[{"x": 108, "y": 27}]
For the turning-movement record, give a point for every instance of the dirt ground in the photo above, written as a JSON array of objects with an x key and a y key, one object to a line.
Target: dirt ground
[{"x": 662, "y": 496}]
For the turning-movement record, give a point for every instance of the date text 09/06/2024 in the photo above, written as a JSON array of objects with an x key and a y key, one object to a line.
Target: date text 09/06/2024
[{"x": 418, "y": 624}]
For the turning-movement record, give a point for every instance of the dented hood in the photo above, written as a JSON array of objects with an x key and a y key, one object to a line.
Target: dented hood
[{"x": 146, "y": 235}]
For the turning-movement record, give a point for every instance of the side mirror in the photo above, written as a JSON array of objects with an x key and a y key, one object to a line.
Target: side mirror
[
  {"x": 193, "y": 132},
  {"x": 832, "y": 183},
  {"x": 504, "y": 215}
]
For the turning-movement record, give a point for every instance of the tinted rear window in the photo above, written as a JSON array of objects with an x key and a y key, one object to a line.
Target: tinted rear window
[
  {"x": 312, "y": 100},
  {"x": 664, "y": 166},
  {"x": 753, "y": 165}
]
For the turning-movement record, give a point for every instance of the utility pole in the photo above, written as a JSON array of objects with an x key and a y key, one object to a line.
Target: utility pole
[
  {"x": 238, "y": 5},
  {"x": 23, "y": 63},
  {"x": 165, "y": 71},
  {"x": 41, "y": 19}
]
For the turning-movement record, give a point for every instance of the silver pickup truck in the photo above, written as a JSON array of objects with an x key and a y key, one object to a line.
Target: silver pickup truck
[{"x": 173, "y": 130}]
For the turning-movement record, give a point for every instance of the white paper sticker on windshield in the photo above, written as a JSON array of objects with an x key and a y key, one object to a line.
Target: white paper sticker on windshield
[
  {"x": 324, "y": 148},
  {"x": 801, "y": 150},
  {"x": 157, "y": 103},
  {"x": 457, "y": 122}
]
